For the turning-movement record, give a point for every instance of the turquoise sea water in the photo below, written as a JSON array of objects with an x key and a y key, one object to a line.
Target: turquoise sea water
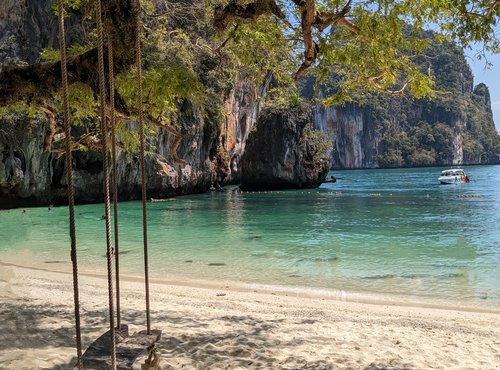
[{"x": 374, "y": 231}]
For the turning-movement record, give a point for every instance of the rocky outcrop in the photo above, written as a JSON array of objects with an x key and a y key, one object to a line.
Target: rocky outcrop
[
  {"x": 380, "y": 132},
  {"x": 17, "y": 44},
  {"x": 31, "y": 176},
  {"x": 279, "y": 155}
]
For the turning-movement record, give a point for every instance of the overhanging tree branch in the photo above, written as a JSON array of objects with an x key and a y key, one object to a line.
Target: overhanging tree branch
[
  {"x": 225, "y": 15},
  {"x": 310, "y": 19}
]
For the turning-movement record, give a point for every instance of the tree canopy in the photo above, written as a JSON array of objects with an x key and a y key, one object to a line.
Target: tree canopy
[
  {"x": 351, "y": 44},
  {"x": 371, "y": 44}
]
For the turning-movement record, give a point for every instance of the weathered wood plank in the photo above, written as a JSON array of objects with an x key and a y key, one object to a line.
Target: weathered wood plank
[
  {"x": 98, "y": 353},
  {"x": 134, "y": 346},
  {"x": 128, "y": 349}
]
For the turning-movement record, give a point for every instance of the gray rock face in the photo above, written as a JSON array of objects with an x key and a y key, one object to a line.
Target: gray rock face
[
  {"x": 279, "y": 156},
  {"x": 24, "y": 169},
  {"x": 29, "y": 176},
  {"x": 353, "y": 135},
  {"x": 27, "y": 26},
  {"x": 357, "y": 132},
  {"x": 241, "y": 111}
]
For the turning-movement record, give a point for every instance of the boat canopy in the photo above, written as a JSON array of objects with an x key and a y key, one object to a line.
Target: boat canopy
[{"x": 453, "y": 172}]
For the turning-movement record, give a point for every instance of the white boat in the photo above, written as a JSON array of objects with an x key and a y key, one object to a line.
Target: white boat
[{"x": 453, "y": 176}]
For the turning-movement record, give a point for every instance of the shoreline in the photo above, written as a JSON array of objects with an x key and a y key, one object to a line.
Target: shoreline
[
  {"x": 9, "y": 203},
  {"x": 221, "y": 328},
  {"x": 296, "y": 291}
]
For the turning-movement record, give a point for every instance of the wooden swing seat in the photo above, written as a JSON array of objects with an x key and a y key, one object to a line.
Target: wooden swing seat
[{"x": 128, "y": 349}]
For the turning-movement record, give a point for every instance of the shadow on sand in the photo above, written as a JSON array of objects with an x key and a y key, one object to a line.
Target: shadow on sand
[{"x": 245, "y": 342}]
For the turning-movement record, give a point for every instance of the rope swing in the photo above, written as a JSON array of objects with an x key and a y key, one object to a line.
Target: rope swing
[
  {"x": 69, "y": 181},
  {"x": 105, "y": 170},
  {"x": 115, "y": 348},
  {"x": 111, "y": 77},
  {"x": 138, "y": 61}
]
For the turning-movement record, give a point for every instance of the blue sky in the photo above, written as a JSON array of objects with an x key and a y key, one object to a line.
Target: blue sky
[{"x": 491, "y": 77}]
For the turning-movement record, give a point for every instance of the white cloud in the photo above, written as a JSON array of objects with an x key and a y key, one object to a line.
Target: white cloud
[{"x": 496, "y": 103}]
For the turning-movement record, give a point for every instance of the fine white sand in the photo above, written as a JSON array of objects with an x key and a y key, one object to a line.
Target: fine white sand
[{"x": 221, "y": 327}]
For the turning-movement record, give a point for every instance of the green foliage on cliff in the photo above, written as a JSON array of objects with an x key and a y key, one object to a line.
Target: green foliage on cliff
[
  {"x": 321, "y": 143},
  {"x": 365, "y": 44},
  {"x": 54, "y": 55},
  {"x": 71, "y": 4},
  {"x": 422, "y": 145},
  {"x": 83, "y": 105},
  {"x": 19, "y": 109}
]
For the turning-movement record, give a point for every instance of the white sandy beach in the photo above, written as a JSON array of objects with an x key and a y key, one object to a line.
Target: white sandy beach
[{"x": 221, "y": 327}]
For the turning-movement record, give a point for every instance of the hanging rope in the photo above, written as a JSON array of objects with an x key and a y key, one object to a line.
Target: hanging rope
[
  {"x": 115, "y": 174},
  {"x": 143, "y": 164},
  {"x": 105, "y": 159},
  {"x": 69, "y": 181}
]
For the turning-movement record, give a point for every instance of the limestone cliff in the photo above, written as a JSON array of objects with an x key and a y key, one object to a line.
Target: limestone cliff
[
  {"x": 241, "y": 112},
  {"x": 211, "y": 147},
  {"x": 377, "y": 131},
  {"x": 456, "y": 127},
  {"x": 29, "y": 175},
  {"x": 280, "y": 155}
]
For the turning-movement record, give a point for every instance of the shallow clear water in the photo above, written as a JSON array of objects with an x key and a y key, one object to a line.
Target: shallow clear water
[{"x": 376, "y": 231}]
